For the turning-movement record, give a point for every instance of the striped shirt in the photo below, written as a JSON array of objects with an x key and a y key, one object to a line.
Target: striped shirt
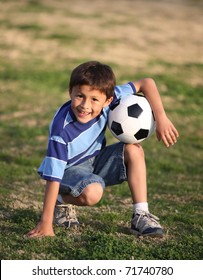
[{"x": 71, "y": 142}]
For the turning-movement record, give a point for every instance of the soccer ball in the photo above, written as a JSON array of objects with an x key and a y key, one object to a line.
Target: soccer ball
[{"x": 131, "y": 119}]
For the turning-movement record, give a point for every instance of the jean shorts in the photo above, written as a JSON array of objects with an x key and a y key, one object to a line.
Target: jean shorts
[{"x": 107, "y": 169}]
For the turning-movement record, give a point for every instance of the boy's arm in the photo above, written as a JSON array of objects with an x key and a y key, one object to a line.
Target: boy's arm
[
  {"x": 165, "y": 130},
  {"x": 45, "y": 227}
]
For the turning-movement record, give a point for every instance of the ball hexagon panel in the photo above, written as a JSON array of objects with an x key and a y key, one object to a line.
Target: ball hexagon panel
[
  {"x": 134, "y": 111},
  {"x": 141, "y": 134},
  {"x": 120, "y": 112},
  {"x": 125, "y": 138},
  {"x": 116, "y": 128},
  {"x": 130, "y": 126}
]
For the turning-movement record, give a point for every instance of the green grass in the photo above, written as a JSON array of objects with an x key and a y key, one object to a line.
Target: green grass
[{"x": 31, "y": 89}]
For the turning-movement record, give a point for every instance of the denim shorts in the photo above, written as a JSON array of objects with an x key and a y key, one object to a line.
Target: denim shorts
[{"x": 107, "y": 169}]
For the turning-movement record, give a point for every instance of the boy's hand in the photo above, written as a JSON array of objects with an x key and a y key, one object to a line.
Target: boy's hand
[
  {"x": 41, "y": 230},
  {"x": 166, "y": 132}
]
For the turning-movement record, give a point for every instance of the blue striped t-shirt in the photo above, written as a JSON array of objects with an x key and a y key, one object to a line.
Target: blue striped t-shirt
[{"x": 71, "y": 142}]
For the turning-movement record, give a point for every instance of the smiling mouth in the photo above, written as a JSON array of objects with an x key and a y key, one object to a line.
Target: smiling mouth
[{"x": 83, "y": 113}]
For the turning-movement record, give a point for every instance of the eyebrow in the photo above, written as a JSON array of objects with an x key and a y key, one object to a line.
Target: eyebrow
[{"x": 92, "y": 96}]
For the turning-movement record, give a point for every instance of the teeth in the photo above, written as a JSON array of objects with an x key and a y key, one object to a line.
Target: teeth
[{"x": 84, "y": 113}]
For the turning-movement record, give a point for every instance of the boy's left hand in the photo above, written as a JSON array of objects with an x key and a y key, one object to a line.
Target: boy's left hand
[{"x": 166, "y": 132}]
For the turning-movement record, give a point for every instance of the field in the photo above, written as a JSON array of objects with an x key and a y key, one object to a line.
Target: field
[{"x": 41, "y": 42}]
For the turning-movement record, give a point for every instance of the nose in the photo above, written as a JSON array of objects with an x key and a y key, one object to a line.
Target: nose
[{"x": 85, "y": 104}]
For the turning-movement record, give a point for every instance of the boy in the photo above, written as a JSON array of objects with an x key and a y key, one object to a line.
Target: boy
[{"x": 78, "y": 165}]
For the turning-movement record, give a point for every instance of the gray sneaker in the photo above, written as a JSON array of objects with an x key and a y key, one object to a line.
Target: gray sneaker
[
  {"x": 145, "y": 224},
  {"x": 65, "y": 215}
]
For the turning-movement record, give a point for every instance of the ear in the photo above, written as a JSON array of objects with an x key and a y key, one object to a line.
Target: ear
[{"x": 108, "y": 101}]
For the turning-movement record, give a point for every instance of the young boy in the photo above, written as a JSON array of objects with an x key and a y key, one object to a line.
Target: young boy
[{"x": 78, "y": 165}]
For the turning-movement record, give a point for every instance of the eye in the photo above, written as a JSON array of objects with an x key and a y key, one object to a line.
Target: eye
[
  {"x": 79, "y": 95},
  {"x": 95, "y": 99}
]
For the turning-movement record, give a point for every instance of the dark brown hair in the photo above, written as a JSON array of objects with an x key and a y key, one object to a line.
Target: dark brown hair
[{"x": 95, "y": 74}]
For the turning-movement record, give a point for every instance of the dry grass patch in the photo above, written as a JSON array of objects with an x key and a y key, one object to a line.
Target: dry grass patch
[{"x": 127, "y": 33}]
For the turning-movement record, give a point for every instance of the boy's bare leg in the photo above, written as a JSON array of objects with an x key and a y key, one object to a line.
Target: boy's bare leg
[
  {"x": 89, "y": 197},
  {"x": 136, "y": 172},
  {"x": 143, "y": 222}
]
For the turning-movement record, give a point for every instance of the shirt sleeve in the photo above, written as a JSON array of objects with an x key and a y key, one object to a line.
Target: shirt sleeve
[
  {"x": 124, "y": 90},
  {"x": 53, "y": 166}
]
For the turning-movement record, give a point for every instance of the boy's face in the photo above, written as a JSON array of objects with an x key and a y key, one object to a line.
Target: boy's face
[{"x": 87, "y": 103}]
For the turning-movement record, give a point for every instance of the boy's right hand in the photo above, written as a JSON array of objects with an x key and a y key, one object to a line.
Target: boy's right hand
[{"x": 41, "y": 230}]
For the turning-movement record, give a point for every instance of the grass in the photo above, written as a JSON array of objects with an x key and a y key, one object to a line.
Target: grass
[{"x": 32, "y": 86}]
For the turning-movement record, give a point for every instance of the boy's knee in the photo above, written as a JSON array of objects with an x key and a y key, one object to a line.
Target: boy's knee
[
  {"x": 133, "y": 151},
  {"x": 92, "y": 194}
]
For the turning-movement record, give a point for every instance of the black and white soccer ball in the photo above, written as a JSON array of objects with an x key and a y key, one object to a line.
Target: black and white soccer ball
[{"x": 131, "y": 119}]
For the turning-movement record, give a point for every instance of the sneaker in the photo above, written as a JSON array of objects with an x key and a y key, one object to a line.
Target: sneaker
[
  {"x": 65, "y": 215},
  {"x": 145, "y": 224}
]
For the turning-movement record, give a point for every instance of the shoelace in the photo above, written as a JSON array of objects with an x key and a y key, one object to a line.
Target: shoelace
[
  {"x": 70, "y": 211},
  {"x": 70, "y": 214},
  {"x": 148, "y": 215}
]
